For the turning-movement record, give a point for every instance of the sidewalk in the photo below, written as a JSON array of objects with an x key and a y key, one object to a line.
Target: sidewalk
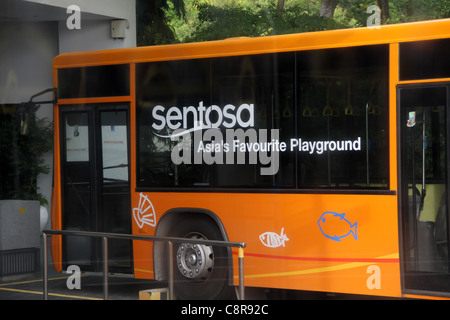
[{"x": 31, "y": 287}]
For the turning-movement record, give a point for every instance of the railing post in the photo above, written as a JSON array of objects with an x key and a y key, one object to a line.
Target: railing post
[
  {"x": 171, "y": 293},
  {"x": 169, "y": 240},
  {"x": 241, "y": 273},
  {"x": 105, "y": 268},
  {"x": 45, "y": 266}
]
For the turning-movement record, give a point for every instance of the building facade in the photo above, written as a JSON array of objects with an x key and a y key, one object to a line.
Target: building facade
[{"x": 33, "y": 32}]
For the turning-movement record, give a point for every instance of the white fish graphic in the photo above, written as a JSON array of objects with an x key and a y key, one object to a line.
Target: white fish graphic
[
  {"x": 144, "y": 213},
  {"x": 273, "y": 240}
]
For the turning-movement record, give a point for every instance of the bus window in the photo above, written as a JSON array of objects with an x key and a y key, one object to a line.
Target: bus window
[
  {"x": 98, "y": 81},
  {"x": 114, "y": 146},
  {"x": 164, "y": 91},
  {"x": 267, "y": 83},
  {"x": 222, "y": 93},
  {"x": 330, "y": 113},
  {"x": 343, "y": 102},
  {"x": 77, "y": 137},
  {"x": 415, "y": 61}
]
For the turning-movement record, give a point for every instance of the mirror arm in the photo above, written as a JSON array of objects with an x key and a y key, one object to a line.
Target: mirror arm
[
  {"x": 24, "y": 111},
  {"x": 44, "y": 92}
]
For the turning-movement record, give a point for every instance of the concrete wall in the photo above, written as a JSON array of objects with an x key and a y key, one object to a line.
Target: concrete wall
[
  {"x": 95, "y": 27},
  {"x": 33, "y": 32},
  {"x": 26, "y": 52},
  {"x": 93, "y": 35}
]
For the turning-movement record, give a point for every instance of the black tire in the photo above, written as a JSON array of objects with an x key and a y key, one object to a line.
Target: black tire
[{"x": 212, "y": 281}]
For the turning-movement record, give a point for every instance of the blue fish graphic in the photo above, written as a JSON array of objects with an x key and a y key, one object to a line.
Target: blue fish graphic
[{"x": 335, "y": 226}]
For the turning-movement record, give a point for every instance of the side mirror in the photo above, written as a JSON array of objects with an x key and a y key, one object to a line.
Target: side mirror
[
  {"x": 26, "y": 110},
  {"x": 23, "y": 117}
]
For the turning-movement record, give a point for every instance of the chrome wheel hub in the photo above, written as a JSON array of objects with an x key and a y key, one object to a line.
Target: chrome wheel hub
[{"x": 195, "y": 261}]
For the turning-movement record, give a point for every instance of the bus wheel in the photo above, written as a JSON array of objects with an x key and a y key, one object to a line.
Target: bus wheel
[
  {"x": 200, "y": 271},
  {"x": 195, "y": 261}
]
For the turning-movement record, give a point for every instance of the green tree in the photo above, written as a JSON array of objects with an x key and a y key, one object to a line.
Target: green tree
[
  {"x": 280, "y": 7},
  {"x": 399, "y": 11},
  {"x": 418, "y": 10},
  {"x": 219, "y": 19},
  {"x": 384, "y": 7},
  {"x": 328, "y": 7},
  {"x": 152, "y": 25},
  {"x": 214, "y": 19}
]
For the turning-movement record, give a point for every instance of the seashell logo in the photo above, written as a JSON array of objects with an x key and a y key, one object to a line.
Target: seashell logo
[{"x": 144, "y": 213}]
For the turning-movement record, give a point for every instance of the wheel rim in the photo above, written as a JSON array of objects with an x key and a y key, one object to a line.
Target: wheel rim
[{"x": 195, "y": 261}]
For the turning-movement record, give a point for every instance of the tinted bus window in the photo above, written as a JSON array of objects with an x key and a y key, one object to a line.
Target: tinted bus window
[
  {"x": 234, "y": 96},
  {"x": 291, "y": 120},
  {"x": 89, "y": 82},
  {"x": 167, "y": 91},
  {"x": 265, "y": 82},
  {"x": 425, "y": 59},
  {"x": 343, "y": 118}
]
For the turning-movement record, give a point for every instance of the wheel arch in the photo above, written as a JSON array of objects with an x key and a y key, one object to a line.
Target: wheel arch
[{"x": 168, "y": 219}]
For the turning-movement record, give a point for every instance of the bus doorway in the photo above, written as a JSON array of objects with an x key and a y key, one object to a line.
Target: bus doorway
[
  {"x": 424, "y": 189},
  {"x": 96, "y": 184}
]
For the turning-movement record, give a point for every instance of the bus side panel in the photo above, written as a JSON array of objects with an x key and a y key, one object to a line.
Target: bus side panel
[
  {"x": 336, "y": 243},
  {"x": 144, "y": 223},
  {"x": 143, "y": 257},
  {"x": 56, "y": 219},
  {"x": 56, "y": 242}
]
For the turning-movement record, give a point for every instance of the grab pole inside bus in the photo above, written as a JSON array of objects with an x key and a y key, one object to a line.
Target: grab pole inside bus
[{"x": 424, "y": 137}]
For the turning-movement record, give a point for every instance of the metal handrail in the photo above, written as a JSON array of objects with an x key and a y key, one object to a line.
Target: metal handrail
[{"x": 169, "y": 240}]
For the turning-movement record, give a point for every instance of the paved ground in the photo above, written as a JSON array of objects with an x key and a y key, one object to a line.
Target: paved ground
[
  {"x": 121, "y": 287},
  {"x": 30, "y": 287}
]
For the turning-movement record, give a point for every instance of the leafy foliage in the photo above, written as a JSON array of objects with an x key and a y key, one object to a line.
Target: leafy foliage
[
  {"x": 21, "y": 157},
  {"x": 152, "y": 20},
  {"x": 205, "y": 20},
  {"x": 257, "y": 19},
  {"x": 212, "y": 20},
  {"x": 400, "y": 11}
]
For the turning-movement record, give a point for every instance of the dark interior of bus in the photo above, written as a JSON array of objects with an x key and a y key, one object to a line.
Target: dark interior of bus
[
  {"x": 425, "y": 181},
  {"x": 317, "y": 96}
]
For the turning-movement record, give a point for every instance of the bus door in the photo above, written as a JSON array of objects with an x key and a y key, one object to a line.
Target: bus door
[
  {"x": 96, "y": 184},
  {"x": 424, "y": 192}
]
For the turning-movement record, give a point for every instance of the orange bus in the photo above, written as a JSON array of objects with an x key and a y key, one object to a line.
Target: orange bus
[{"x": 325, "y": 152}]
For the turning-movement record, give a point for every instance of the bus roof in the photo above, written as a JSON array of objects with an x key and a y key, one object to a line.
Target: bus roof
[{"x": 425, "y": 30}]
